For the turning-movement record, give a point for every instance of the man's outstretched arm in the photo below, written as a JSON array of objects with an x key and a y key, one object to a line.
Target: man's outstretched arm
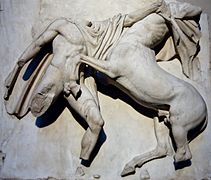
[{"x": 141, "y": 13}]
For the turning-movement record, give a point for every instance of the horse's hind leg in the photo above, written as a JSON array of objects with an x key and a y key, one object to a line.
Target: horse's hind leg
[
  {"x": 180, "y": 137},
  {"x": 162, "y": 149}
]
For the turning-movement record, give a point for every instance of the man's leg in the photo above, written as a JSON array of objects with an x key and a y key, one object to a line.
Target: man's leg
[{"x": 89, "y": 110}]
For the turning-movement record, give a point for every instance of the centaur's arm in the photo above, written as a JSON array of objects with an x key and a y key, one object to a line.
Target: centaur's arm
[{"x": 142, "y": 12}]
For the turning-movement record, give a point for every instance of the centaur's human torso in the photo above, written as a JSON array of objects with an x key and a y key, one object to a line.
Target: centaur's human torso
[
  {"x": 149, "y": 32},
  {"x": 140, "y": 75}
]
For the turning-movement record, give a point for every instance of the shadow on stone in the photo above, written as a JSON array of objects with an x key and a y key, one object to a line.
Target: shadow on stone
[
  {"x": 115, "y": 93},
  {"x": 2, "y": 158},
  {"x": 183, "y": 164},
  {"x": 128, "y": 174},
  {"x": 77, "y": 117},
  {"x": 51, "y": 115},
  {"x": 102, "y": 138},
  {"x": 36, "y": 61}
]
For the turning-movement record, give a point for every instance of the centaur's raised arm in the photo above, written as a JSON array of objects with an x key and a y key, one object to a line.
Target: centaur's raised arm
[{"x": 142, "y": 12}]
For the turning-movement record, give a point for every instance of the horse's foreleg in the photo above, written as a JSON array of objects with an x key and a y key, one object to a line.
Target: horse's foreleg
[
  {"x": 100, "y": 65},
  {"x": 163, "y": 149}
]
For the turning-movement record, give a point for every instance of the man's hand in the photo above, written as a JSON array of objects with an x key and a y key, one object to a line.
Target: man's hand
[
  {"x": 72, "y": 87},
  {"x": 144, "y": 11}
]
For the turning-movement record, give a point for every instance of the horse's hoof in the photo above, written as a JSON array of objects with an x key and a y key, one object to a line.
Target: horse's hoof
[
  {"x": 182, "y": 157},
  {"x": 128, "y": 170}
]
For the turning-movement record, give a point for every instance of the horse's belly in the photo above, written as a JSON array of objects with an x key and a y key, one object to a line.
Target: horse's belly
[
  {"x": 149, "y": 90},
  {"x": 149, "y": 84}
]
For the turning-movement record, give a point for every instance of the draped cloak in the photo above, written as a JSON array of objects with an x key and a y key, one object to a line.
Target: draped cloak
[{"x": 183, "y": 23}]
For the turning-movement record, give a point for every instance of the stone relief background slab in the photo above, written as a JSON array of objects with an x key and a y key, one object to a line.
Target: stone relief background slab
[{"x": 33, "y": 152}]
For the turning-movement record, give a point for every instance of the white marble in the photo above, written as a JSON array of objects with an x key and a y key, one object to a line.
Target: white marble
[{"x": 54, "y": 151}]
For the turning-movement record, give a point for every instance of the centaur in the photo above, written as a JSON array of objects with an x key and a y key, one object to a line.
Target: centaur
[
  {"x": 133, "y": 67},
  {"x": 58, "y": 72}
]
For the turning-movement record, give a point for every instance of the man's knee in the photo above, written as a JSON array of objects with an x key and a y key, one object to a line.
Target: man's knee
[
  {"x": 95, "y": 119},
  {"x": 99, "y": 121}
]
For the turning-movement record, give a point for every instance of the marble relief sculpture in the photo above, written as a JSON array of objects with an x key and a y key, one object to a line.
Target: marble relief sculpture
[{"x": 125, "y": 48}]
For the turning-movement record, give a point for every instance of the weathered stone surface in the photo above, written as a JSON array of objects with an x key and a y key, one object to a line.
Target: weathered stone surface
[{"x": 53, "y": 151}]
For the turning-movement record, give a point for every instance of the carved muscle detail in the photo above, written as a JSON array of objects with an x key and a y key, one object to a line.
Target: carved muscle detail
[{"x": 158, "y": 31}]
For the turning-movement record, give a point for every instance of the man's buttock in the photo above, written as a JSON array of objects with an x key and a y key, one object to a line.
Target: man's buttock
[{"x": 150, "y": 31}]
